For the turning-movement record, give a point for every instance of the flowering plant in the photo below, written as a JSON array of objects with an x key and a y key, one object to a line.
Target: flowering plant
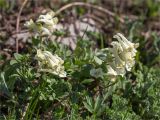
[
  {"x": 54, "y": 81},
  {"x": 123, "y": 56},
  {"x": 50, "y": 63},
  {"x": 44, "y": 25}
]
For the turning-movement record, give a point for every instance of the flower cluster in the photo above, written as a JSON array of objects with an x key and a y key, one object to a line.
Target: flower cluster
[
  {"x": 123, "y": 56},
  {"x": 44, "y": 25},
  {"x": 50, "y": 63}
]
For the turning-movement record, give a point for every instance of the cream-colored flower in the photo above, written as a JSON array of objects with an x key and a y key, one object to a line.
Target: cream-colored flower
[
  {"x": 48, "y": 19},
  {"x": 115, "y": 52},
  {"x": 128, "y": 51},
  {"x": 45, "y": 31},
  {"x": 123, "y": 53},
  {"x": 115, "y": 70},
  {"x": 126, "y": 45},
  {"x": 48, "y": 23},
  {"x": 44, "y": 25},
  {"x": 30, "y": 25},
  {"x": 125, "y": 42},
  {"x": 111, "y": 71},
  {"x": 50, "y": 63}
]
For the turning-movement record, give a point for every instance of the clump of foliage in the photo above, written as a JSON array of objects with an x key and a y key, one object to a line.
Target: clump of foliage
[{"x": 52, "y": 81}]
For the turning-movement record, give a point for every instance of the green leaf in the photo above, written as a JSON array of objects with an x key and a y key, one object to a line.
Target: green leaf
[
  {"x": 86, "y": 81},
  {"x": 35, "y": 41},
  {"x": 97, "y": 104},
  {"x": 88, "y": 107},
  {"x": 109, "y": 92},
  {"x": 12, "y": 62},
  {"x": 18, "y": 56},
  {"x": 97, "y": 73},
  {"x": 89, "y": 101},
  {"x": 59, "y": 33},
  {"x": 97, "y": 60},
  {"x": 3, "y": 85},
  {"x": 51, "y": 98}
]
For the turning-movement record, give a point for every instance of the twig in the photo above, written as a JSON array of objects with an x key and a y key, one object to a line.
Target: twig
[
  {"x": 93, "y": 17},
  {"x": 8, "y": 56},
  {"x": 87, "y": 5},
  {"x": 25, "y": 110},
  {"x": 22, "y": 31},
  {"x": 3, "y": 28},
  {"x": 17, "y": 23}
]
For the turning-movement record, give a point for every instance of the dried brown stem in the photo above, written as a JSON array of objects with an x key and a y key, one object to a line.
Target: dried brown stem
[
  {"x": 18, "y": 21},
  {"x": 87, "y": 5}
]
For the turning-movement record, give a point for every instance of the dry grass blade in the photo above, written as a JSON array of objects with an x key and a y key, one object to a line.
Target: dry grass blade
[
  {"x": 87, "y": 5},
  {"x": 17, "y": 22}
]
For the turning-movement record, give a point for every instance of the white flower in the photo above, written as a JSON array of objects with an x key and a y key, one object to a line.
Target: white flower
[
  {"x": 127, "y": 51},
  {"x": 48, "y": 23},
  {"x": 45, "y": 31},
  {"x": 48, "y": 19},
  {"x": 44, "y": 25},
  {"x": 123, "y": 53},
  {"x": 128, "y": 47},
  {"x": 30, "y": 25},
  {"x": 111, "y": 71},
  {"x": 125, "y": 42},
  {"x": 50, "y": 63},
  {"x": 115, "y": 51}
]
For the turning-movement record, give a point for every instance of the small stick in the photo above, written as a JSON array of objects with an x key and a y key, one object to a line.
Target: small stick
[
  {"x": 24, "y": 112},
  {"x": 87, "y": 5},
  {"x": 17, "y": 22}
]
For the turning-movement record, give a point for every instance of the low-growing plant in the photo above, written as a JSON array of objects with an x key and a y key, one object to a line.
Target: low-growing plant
[{"x": 52, "y": 81}]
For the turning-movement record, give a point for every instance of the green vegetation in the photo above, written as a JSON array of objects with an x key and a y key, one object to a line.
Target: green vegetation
[{"x": 87, "y": 93}]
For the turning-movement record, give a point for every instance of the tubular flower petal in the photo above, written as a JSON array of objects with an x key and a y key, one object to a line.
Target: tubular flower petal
[
  {"x": 44, "y": 25},
  {"x": 48, "y": 22},
  {"x": 30, "y": 25},
  {"x": 123, "y": 52},
  {"x": 111, "y": 71},
  {"x": 50, "y": 63},
  {"x": 48, "y": 19}
]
